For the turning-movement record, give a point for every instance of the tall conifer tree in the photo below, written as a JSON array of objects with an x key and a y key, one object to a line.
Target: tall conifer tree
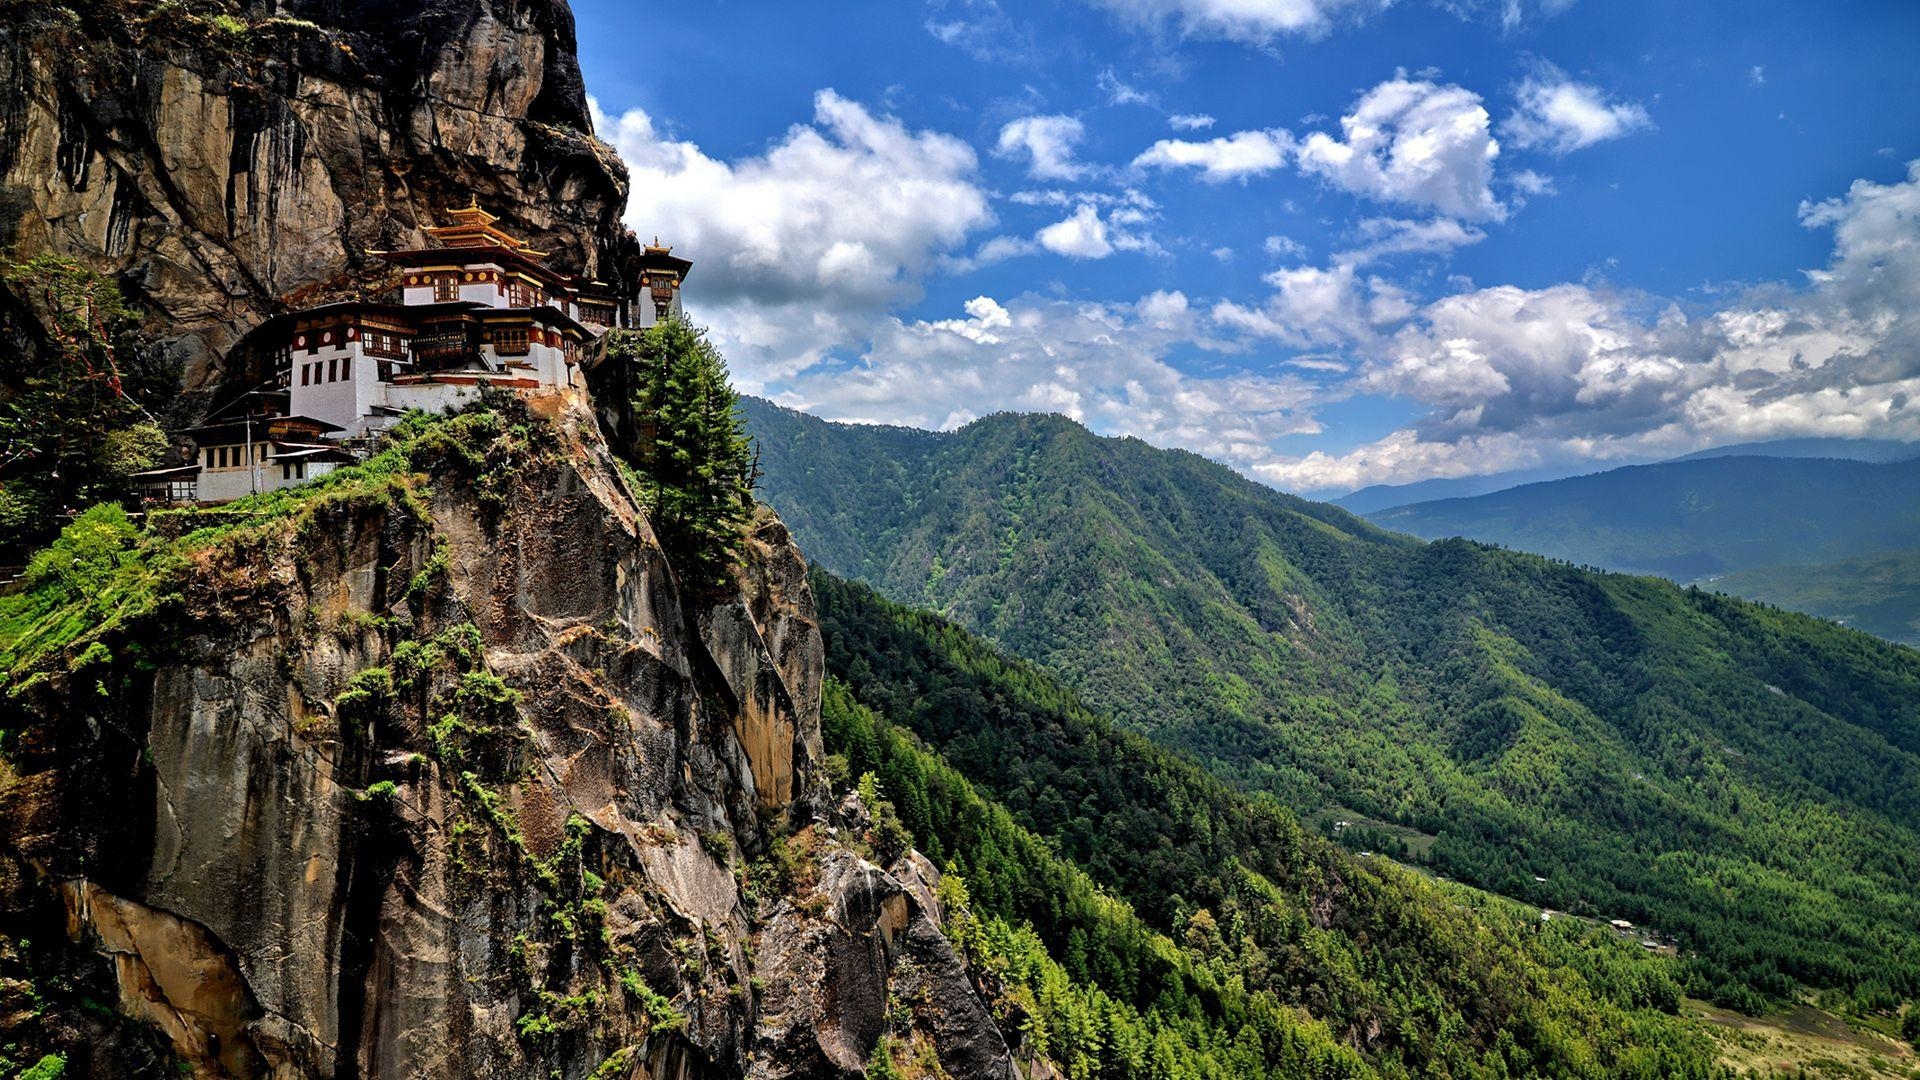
[{"x": 693, "y": 453}]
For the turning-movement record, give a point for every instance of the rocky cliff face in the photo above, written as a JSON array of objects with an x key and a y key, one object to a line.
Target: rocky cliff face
[
  {"x": 433, "y": 771},
  {"x": 225, "y": 164}
]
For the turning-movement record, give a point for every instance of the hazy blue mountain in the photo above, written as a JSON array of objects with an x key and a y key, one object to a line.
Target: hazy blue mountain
[
  {"x": 1385, "y": 496},
  {"x": 1377, "y": 497},
  {"x": 1876, "y": 593},
  {"x": 1691, "y": 520},
  {"x": 1877, "y": 450}
]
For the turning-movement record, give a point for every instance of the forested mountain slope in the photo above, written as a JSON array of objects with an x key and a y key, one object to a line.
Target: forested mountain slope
[
  {"x": 1231, "y": 916},
  {"x": 1745, "y": 780},
  {"x": 1692, "y": 519}
]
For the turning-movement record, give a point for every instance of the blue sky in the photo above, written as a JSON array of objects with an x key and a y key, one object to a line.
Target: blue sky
[{"x": 1330, "y": 242}]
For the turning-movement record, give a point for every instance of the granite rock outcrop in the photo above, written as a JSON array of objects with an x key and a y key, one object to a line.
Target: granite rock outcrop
[
  {"x": 226, "y": 163},
  {"x": 438, "y": 772},
  {"x": 435, "y": 769}
]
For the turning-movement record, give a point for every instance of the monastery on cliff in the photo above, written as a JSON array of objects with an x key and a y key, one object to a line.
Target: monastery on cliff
[{"x": 476, "y": 308}]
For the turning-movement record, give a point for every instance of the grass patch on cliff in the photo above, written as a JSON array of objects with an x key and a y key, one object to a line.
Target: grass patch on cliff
[
  {"x": 220, "y": 29},
  {"x": 50, "y": 1067},
  {"x": 84, "y": 594},
  {"x": 97, "y": 576}
]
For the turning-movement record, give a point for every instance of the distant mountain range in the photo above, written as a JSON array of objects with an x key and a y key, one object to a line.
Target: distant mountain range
[
  {"x": 1692, "y": 520},
  {"x": 1369, "y": 500},
  {"x": 1824, "y": 526},
  {"x": 1386, "y": 496},
  {"x": 1876, "y": 450},
  {"x": 1590, "y": 742},
  {"x": 1876, "y": 593}
]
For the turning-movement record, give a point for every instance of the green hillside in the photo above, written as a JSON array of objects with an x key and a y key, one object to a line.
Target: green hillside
[
  {"x": 1240, "y": 946},
  {"x": 1879, "y": 594},
  {"x": 1743, "y": 780},
  {"x": 1691, "y": 519}
]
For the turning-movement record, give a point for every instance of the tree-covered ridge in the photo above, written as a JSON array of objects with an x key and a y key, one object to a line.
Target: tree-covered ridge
[
  {"x": 1422, "y": 979},
  {"x": 692, "y": 460},
  {"x": 1742, "y": 779}
]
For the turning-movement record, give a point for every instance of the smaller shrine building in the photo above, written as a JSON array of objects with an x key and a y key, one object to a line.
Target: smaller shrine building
[{"x": 253, "y": 445}]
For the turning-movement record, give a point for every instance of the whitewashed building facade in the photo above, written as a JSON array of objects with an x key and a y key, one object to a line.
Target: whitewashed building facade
[{"x": 477, "y": 308}]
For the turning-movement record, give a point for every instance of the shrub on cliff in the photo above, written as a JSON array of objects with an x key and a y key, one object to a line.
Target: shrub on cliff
[
  {"x": 693, "y": 455},
  {"x": 74, "y": 419}
]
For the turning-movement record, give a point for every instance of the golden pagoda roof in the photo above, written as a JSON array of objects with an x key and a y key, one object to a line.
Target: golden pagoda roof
[
  {"x": 474, "y": 227},
  {"x": 659, "y": 258}
]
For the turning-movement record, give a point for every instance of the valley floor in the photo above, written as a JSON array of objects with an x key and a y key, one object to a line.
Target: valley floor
[{"x": 1803, "y": 1041}]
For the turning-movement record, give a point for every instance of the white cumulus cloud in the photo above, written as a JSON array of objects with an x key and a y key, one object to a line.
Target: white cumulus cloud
[
  {"x": 795, "y": 248},
  {"x": 1049, "y": 144},
  {"x": 1513, "y": 376},
  {"x": 1381, "y": 237},
  {"x": 1082, "y": 236},
  {"x": 1262, "y": 22},
  {"x": 1284, "y": 247},
  {"x": 1101, "y": 223},
  {"x": 1560, "y": 115},
  {"x": 1415, "y": 142},
  {"x": 805, "y": 253},
  {"x": 1315, "y": 306},
  {"x": 1121, "y": 93},
  {"x": 1229, "y": 157},
  {"x": 1254, "y": 22},
  {"x": 1397, "y": 458},
  {"x": 1876, "y": 243},
  {"x": 1104, "y": 364},
  {"x": 1507, "y": 358}
]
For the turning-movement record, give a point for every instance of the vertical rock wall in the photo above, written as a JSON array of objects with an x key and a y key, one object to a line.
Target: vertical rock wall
[
  {"x": 225, "y": 174},
  {"x": 441, "y": 777}
]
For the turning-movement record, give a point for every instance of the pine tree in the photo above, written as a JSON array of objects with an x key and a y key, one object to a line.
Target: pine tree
[
  {"x": 693, "y": 454},
  {"x": 74, "y": 419}
]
